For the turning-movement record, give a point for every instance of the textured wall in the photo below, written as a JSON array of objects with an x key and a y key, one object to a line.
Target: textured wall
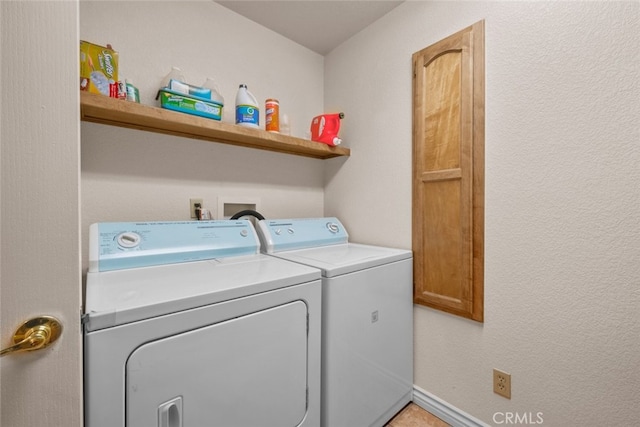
[
  {"x": 40, "y": 212},
  {"x": 562, "y": 278},
  {"x": 130, "y": 175}
]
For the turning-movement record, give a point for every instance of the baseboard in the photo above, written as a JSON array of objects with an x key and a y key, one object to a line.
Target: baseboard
[{"x": 444, "y": 410}]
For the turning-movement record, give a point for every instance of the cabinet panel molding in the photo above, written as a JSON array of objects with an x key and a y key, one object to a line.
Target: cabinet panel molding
[{"x": 448, "y": 174}]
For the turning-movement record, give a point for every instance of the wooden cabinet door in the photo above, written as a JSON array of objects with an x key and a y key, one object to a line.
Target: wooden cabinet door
[{"x": 448, "y": 173}]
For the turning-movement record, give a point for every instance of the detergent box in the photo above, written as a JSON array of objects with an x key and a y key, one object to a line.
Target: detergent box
[
  {"x": 98, "y": 69},
  {"x": 178, "y": 101}
]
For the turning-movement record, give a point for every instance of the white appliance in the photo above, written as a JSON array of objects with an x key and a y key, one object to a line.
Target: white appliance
[
  {"x": 187, "y": 324},
  {"x": 367, "y": 318}
]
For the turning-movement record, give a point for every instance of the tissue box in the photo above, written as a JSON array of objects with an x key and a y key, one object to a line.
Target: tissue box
[
  {"x": 181, "y": 87},
  {"x": 176, "y": 101},
  {"x": 98, "y": 68}
]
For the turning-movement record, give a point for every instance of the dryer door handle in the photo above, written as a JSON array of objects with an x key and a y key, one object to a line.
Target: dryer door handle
[{"x": 170, "y": 413}]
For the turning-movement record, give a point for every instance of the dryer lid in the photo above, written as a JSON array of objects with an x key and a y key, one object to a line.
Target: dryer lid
[{"x": 123, "y": 296}]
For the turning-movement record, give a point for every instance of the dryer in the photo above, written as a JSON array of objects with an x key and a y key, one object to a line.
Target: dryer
[
  {"x": 187, "y": 324},
  {"x": 367, "y": 318}
]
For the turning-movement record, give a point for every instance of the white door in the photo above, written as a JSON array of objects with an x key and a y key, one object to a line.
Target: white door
[
  {"x": 250, "y": 370},
  {"x": 40, "y": 267}
]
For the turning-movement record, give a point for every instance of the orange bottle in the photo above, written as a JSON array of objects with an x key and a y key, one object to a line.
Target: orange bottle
[{"x": 272, "y": 115}]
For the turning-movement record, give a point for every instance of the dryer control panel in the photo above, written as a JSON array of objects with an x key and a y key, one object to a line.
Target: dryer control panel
[
  {"x": 289, "y": 234},
  {"x": 121, "y": 245}
]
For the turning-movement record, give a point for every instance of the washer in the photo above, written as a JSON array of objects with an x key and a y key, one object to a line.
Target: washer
[
  {"x": 367, "y": 318},
  {"x": 188, "y": 324}
]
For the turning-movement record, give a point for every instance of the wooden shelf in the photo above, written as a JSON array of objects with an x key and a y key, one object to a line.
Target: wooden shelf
[{"x": 115, "y": 112}]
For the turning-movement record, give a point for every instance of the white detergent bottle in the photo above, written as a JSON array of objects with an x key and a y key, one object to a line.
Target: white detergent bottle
[
  {"x": 210, "y": 83},
  {"x": 247, "y": 111},
  {"x": 216, "y": 97},
  {"x": 175, "y": 81}
]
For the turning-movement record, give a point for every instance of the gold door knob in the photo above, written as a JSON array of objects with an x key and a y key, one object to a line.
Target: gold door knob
[{"x": 34, "y": 334}]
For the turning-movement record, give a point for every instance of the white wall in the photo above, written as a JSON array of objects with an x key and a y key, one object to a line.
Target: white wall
[
  {"x": 130, "y": 175},
  {"x": 562, "y": 277}
]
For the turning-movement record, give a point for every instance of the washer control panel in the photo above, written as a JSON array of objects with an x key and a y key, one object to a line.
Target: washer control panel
[
  {"x": 120, "y": 245},
  {"x": 289, "y": 234}
]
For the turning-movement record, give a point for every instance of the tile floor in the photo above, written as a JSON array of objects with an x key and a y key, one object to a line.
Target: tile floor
[{"x": 414, "y": 416}]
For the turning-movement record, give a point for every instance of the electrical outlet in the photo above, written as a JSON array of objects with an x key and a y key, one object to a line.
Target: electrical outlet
[
  {"x": 192, "y": 207},
  {"x": 502, "y": 383}
]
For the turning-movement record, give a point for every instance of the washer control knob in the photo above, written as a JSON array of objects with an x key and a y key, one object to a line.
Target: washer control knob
[
  {"x": 290, "y": 230},
  {"x": 128, "y": 239},
  {"x": 244, "y": 233},
  {"x": 333, "y": 227},
  {"x": 278, "y": 231}
]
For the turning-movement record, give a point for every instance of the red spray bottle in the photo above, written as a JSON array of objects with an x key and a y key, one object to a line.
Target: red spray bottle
[{"x": 325, "y": 128}]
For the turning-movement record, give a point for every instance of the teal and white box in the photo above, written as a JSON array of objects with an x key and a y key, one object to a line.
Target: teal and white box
[{"x": 194, "y": 105}]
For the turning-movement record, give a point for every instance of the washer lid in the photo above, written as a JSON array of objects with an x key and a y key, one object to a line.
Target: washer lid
[
  {"x": 123, "y": 296},
  {"x": 336, "y": 260}
]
